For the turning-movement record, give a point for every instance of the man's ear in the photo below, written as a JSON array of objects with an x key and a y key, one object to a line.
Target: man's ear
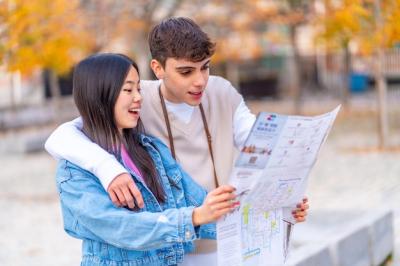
[{"x": 157, "y": 68}]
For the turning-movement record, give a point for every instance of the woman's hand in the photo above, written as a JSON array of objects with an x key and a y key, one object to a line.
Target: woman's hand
[
  {"x": 300, "y": 213},
  {"x": 218, "y": 202}
]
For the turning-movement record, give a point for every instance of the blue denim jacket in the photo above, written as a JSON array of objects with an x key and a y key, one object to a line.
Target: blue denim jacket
[{"x": 158, "y": 234}]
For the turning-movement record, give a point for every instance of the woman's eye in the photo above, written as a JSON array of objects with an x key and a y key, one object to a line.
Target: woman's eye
[{"x": 128, "y": 90}]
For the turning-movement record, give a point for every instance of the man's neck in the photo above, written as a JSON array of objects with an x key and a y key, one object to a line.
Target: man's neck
[{"x": 167, "y": 96}]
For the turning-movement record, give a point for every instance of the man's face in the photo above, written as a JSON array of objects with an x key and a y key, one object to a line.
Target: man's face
[{"x": 184, "y": 81}]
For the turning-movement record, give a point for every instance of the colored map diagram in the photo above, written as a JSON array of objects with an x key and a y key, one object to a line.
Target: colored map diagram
[
  {"x": 261, "y": 234},
  {"x": 279, "y": 191}
]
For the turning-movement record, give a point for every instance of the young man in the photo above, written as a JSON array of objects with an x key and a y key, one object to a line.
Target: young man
[{"x": 202, "y": 118}]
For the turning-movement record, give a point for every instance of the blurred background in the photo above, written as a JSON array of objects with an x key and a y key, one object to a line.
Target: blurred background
[{"x": 289, "y": 56}]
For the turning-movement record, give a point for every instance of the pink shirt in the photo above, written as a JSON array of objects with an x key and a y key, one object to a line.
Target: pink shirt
[{"x": 129, "y": 163}]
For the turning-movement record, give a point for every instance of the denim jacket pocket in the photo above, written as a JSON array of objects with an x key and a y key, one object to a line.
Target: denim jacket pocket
[{"x": 174, "y": 176}]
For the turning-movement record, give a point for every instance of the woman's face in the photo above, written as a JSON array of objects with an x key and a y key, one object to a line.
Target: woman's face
[{"x": 127, "y": 106}]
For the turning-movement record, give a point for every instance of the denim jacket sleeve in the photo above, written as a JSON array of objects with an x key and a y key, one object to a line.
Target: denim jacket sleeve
[
  {"x": 194, "y": 193},
  {"x": 89, "y": 213}
]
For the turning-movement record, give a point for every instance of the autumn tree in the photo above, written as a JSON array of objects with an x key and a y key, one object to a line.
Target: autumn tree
[
  {"x": 339, "y": 24},
  {"x": 123, "y": 26},
  {"x": 41, "y": 34},
  {"x": 292, "y": 14},
  {"x": 252, "y": 26},
  {"x": 372, "y": 25}
]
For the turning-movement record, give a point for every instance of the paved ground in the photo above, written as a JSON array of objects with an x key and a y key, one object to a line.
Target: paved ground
[{"x": 350, "y": 176}]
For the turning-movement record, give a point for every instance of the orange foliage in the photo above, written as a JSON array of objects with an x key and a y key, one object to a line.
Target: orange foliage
[
  {"x": 356, "y": 20},
  {"x": 41, "y": 34}
]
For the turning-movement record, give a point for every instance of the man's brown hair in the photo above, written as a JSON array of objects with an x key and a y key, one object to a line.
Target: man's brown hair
[{"x": 179, "y": 38}]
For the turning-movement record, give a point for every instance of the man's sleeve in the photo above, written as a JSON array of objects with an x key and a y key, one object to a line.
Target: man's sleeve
[
  {"x": 70, "y": 143},
  {"x": 243, "y": 120}
]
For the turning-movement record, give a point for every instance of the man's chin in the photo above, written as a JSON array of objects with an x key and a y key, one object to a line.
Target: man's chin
[{"x": 193, "y": 103}]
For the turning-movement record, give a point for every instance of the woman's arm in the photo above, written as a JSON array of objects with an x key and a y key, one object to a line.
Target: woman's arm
[{"x": 89, "y": 213}]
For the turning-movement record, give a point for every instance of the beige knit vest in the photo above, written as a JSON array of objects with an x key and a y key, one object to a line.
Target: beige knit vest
[{"x": 220, "y": 101}]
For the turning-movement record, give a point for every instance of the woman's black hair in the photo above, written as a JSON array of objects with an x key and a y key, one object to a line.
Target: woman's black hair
[{"x": 97, "y": 82}]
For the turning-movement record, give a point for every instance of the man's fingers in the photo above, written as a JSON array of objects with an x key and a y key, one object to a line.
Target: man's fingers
[
  {"x": 136, "y": 194},
  {"x": 120, "y": 197},
  {"x": 114, "y": 198},
  {"x": 303, "y": 206},
  {"x": 300, "y": 213},
  {"x": 128, "y": 197}
]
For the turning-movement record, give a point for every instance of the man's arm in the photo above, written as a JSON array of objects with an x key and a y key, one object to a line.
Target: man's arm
[
  {"x": 243, "y": 120},
  {"x": 70, "y": 143}
]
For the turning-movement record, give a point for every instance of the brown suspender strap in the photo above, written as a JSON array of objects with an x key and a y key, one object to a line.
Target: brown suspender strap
[
  {"x": 206, "y": 130},
  {"x": 164, "y": 109},
  {"x": 209, "y": 141}
]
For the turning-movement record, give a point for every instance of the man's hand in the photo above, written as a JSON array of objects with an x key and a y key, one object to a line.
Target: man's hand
[
  {"x": 300, "y": 213},
  {"x": 218, "y": 202},
  {"x": 124, "y": 192}
]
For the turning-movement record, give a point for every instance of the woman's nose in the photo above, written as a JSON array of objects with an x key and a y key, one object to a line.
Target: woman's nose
[{"x": 137, "y": 97}]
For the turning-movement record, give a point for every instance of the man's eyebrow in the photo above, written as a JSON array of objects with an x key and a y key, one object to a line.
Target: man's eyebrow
[
  {"x": 184, "y": 67},
  {"x": 190, "y": 67},
  {"x": 206, "y": 63}
]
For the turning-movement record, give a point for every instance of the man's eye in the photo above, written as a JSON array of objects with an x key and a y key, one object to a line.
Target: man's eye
[
  {"x": 185, "y": 73},
  {"x": 205, "y": 67}
]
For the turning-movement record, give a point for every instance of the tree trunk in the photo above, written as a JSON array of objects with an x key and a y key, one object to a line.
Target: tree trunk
[
  {"x": 144, "y": 65},
  {"x": 380, "y": 83},
  {"x": 344, "y": 95},
  {"x": 142, "y": 52},
  {"x": 54, "y": 86},
  {"x": 381, "y": 88},
  {"x": 295, "y": 85},
  {"x": 16, "y": 89}
]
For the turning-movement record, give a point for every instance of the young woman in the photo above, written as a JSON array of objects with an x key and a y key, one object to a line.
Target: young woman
[{"x": 176, "y": 210}]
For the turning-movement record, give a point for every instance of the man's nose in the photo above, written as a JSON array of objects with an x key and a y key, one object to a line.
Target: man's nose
[{"x": 200, "y": 80}]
